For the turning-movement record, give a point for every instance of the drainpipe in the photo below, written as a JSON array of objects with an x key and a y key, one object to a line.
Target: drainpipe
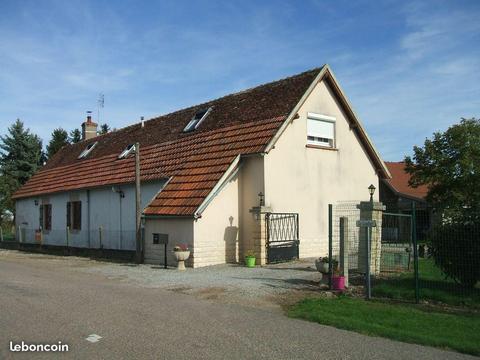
[{"x": 88, "y": 219}]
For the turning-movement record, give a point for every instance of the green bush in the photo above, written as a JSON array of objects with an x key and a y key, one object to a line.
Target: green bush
[{"x": 456, "y": 251}]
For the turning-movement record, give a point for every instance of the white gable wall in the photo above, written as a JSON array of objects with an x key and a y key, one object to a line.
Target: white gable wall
[
  {"x": 305, "y": 180},
  {"x": 216, "y": 231}
]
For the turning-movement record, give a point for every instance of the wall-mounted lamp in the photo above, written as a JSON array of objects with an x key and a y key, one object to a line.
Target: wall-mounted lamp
[
  {"x": 36, "y": 202},
  {"x": 262, "y": 198},
  {"x": 371, "y": 191}
]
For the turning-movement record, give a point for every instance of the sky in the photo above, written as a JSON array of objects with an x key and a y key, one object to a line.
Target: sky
[{"x": 409, "y": 68}]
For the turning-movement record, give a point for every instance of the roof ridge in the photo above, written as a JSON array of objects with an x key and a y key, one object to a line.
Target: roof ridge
[{"x": 200, "y": 104}]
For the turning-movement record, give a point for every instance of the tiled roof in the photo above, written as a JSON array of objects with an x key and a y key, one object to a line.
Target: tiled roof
[
  {"x": 241, "y": 123},
  {"x": 400, "y": 179}
]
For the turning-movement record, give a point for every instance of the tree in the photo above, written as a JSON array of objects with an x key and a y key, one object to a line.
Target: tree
[
  {"x": 59, "y": 140},
  {"x": 104, "y": 129},
  {"x": 449, "y": 164},
  {"x": 75, "y": 136},
  {"x": 20, "y": 156}
]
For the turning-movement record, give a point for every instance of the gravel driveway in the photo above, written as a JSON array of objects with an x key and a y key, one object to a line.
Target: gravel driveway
[{"x": 266, "y": 286}]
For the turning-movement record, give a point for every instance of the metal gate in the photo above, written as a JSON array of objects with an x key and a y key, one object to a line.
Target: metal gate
[
  {"x": 397, "y": 243},
  {"x": 282, "y": 237}
]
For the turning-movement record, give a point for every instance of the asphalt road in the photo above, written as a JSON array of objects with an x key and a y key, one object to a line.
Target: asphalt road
[{"x": 46, "y": 302}]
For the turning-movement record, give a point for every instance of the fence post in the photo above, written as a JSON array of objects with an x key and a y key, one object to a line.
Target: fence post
[
  {"x": 1, "y": 234},
  {"x": 368, "y": 279},
  {"x": 344, "y": 247},
  {"x": 100, "y": 235},
  {"x": 415, "y": 252},
  {"x": 330, "y": 245},
  {"x": 68, "y": 236},
  {"x": 20, "y": 240}
]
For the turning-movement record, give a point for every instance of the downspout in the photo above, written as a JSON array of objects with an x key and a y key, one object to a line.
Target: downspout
[
  {"x": 120, "y": 220},
  {"x": 88, "y": 218}
]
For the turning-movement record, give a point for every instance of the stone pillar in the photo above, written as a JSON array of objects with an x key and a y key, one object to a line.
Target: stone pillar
[
  {"x": 258, "y": 242},
  {"x": 369, "y": 213}
]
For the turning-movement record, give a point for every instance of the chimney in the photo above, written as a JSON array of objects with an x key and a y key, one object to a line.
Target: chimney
[{"x": 89, "y": 128}]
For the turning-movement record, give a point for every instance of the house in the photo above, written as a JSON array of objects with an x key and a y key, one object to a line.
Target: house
[
  {"x": 398, "y": 196},
  {"x": 227, "y": 177}
]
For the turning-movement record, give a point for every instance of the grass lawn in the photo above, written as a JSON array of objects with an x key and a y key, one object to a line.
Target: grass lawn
[
  {"x": 433, "y": 286},
  {"x": 407, "y": 323}
]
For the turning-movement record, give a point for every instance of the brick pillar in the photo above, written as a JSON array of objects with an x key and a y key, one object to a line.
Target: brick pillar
[
  {"x": 369, "y": 213},
  {"x": 259, "y": 235}
]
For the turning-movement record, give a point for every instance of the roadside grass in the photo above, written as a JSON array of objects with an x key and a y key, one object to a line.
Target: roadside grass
[
  {"x": 433, "y": 287},
  {"x": 407, "y": 323}
]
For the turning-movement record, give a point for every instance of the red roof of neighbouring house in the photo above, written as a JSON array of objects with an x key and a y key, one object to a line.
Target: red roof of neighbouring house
[
  {"x": 239, "y": 124},
  {"x": 400, "y": 179}
]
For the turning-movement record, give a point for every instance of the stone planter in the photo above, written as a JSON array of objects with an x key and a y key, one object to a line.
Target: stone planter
[
  {"x": 321, "y": 266},
  {"x": 181, "y": 256}
]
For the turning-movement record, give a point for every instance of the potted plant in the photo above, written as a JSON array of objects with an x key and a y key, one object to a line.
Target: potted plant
[
  {"x": 322, "y": 264},
  {"x": 250, "y": 259},
  {"x": 181, "y": 253},
  {"x": 338, "y": 280}
]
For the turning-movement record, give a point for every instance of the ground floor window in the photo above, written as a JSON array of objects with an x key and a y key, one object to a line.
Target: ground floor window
[
  {"x": 46, "y": 216},
  {"x": 74, "y": 215}
]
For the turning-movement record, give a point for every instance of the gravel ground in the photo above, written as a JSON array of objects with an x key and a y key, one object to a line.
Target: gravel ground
[
  {"x": 266, "y": 286},
  {"x": 263, "y": 286}
]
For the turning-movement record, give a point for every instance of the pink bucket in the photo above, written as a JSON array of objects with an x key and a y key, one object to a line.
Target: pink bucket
[{"x": 338, "y": 282}]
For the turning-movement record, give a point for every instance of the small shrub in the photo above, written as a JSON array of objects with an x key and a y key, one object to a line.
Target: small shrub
[{"x": 456, "y": 251}]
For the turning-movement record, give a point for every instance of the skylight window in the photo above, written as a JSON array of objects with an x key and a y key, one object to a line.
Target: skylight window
[
  {"x": 197, "y": 119},
  {"x": 128, "y": 150},
  {"x": 87, "y": 150}
]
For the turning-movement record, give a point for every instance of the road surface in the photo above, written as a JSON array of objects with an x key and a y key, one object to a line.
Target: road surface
[{"x": 46, "y": 301}]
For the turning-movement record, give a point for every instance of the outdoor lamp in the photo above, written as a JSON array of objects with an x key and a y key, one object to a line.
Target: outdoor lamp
[
  {"x": 371, "y": 191},
  {"x": 262, "y": 198}
]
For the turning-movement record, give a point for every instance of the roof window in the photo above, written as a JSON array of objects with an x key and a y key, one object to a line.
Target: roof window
[
  {"x": 128, "y": 150},
  {"x": 197, "y": 119},
  {"x": 87, "y": 150}
]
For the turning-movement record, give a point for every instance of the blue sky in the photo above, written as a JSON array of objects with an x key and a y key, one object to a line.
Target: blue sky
[{"x": 409, "y": 68}]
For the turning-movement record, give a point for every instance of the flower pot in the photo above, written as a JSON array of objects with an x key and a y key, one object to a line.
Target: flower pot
[
  {"x": 181, "y": 256},
  {"x": 338, "y": 282},
  {"x": 250, "y": 261},
  {"x": 321, "y": 266}
]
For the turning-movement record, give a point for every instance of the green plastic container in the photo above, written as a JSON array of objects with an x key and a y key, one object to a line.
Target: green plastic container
[{"x": 250, "y": 261}]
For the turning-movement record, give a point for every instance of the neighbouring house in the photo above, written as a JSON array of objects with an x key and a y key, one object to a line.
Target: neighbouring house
[
  {"x": 212, "y": 176},
  {"x": 398, "y": 196}
]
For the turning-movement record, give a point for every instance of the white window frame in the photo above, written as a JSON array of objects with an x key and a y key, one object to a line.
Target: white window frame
[
  {"x": 324, "y": 118},
  {"x": 195, "y": 123},
  {"x": 128, "y": 150},
  {"x": 87, "y": 150}
]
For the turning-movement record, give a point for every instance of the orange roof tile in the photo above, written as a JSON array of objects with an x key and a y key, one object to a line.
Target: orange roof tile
[
  {"x": 400, "y": 179},
  {"x": 239, "y": 124}
]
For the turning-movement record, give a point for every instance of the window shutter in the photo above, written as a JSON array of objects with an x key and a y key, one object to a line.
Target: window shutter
[
  {"x": 69, "y": 206},
  {"x": 41, "y": 216},
  {"x": 321, "y": 129},
  {"x": 77, "y": 215},
  {"x": 48, "y": 217}
]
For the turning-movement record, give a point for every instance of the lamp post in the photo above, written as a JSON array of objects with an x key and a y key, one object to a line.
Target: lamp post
[{"x": 371, "y": 191}]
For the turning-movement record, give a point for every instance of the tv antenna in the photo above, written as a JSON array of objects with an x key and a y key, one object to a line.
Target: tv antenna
[{"x": 100, "y": 104}]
